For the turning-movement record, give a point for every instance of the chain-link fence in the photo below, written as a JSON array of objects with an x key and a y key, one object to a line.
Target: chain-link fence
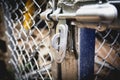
[
  {"x": 30, "y": 38},
  {"x": 107, "y": 52}
]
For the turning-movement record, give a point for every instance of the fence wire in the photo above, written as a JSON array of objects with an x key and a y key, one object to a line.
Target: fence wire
[
  {"x": 29, "y": 38},
  {"x": 107, "y": 56}
]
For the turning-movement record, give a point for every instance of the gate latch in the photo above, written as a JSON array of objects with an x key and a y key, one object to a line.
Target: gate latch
[{"x": 59, "y": 42}]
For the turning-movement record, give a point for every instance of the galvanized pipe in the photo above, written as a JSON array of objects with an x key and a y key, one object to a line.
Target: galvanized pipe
[
  {"x": 98, "y": 12},
  {"x": 92, "y": 13}
]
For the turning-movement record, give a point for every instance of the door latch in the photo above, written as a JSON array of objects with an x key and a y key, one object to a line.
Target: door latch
[{"x": 59, "y": 42}]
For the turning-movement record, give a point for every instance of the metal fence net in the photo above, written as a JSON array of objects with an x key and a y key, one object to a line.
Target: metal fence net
[
  {"x": 29, "y": 39},
  {"x": 107, "y": 53}
]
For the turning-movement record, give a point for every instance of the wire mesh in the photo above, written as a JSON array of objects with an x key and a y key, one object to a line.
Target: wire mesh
[
  {"x": 29, "y": 39},
  {"x": 107, "y": 53}
]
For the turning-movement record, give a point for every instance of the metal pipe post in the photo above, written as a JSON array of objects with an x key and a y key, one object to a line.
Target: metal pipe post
[{"x": 87, "y": 50}]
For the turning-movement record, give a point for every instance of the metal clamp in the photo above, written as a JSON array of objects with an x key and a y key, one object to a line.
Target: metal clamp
[
  {"x": 44, "y": 15},
  {"x": 93, "y": 15},
  {"x": 59, "y": 42}
]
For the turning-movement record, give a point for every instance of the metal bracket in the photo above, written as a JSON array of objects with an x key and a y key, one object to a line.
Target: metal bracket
[{"x": 59, "y": 42}]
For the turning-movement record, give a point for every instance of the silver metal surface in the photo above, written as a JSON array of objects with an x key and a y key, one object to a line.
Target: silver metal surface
[
  {"x": 93, "y": 15},
  {"x": 105, "y": 13},
  {"x": 59, "y": 42},
  {"x": 98, "y": 12}
]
